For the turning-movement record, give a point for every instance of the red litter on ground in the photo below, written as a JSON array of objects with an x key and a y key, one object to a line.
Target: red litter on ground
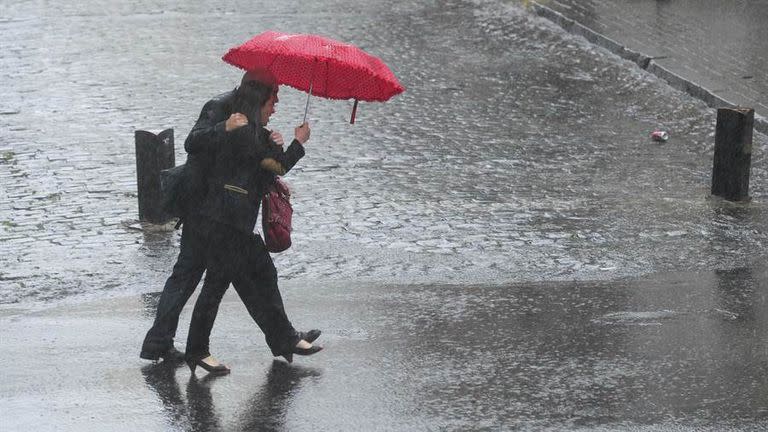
[{"x": 659, "y": 135}]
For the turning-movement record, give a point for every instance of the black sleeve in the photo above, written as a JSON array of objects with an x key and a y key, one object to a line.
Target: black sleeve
[
  {"x": 270, "y": 157},
  {"x": 209, "y": 131},
  {"x": 280, "y": 162}
]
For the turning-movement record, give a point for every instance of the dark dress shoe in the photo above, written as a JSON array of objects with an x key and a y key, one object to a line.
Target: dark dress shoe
[
  {"x": 170, "y": 355},
  {"x": 302, "y": 352}
]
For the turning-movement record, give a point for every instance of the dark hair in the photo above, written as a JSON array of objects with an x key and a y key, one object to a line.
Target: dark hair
[{"x": 249, "y": 98}]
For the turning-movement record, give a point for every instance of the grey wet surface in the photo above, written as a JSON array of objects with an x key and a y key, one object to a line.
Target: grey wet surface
[
  {"x": 682, "y": 352},
  {"x": 500, "y": 247},
  {"x": 716, "y": 44},
  {"x": 517, "y": 153}
]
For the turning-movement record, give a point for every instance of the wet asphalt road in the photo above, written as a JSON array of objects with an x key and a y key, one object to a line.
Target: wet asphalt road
[
  {"x": 500, "y": 248},
  {"x": 679, "y": 352}
]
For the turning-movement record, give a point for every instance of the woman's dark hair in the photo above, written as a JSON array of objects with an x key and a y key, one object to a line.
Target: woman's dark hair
[{"x": 249, "y": 98}]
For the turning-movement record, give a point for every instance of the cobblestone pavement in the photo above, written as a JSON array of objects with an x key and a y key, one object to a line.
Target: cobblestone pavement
[
  {"x": 720, "y": 45},
  {"x": 477, "y": 251},
  {"x": 517, "y": 153}
]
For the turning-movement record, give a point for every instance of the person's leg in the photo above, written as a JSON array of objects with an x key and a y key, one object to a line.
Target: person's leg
[
  {"x": 258, "y": 290},
  {"x": 207, "y": 305},
  {"x": 186, "y": 274},
  {"x": 204, "y": 314}
]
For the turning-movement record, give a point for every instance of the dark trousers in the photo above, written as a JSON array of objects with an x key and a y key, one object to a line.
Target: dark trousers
[
  {"x": 244, "y": 260},
  {"x": 186, "y": 274}
]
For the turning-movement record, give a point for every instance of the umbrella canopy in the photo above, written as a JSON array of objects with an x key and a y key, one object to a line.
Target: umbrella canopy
[{"x": 319, "y": 65}]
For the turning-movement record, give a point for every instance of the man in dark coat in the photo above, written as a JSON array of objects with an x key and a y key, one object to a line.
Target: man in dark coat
[{"x": 215, "y": 122}]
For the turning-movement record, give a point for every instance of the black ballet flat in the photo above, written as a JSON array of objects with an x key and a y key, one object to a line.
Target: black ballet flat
[
  {"x": 214, "y": 370},
  {"x": 302, "y": 352},
  {"x": 310, "y": 336}
]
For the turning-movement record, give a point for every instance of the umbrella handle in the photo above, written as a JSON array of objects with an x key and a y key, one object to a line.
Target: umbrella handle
[{"x": 306, "y": 108}]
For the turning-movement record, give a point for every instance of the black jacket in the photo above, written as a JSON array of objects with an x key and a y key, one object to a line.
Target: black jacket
[
  {"x": 206, "y": 136},
  {"x": 209, "y": 130},
  {"x": 244, "y": 163}
]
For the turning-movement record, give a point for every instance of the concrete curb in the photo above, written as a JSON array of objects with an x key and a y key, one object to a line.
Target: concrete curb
[{"x": 645, "y": 62}]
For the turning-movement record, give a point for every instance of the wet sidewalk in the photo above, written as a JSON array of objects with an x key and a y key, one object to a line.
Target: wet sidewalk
[
  {"x": 715, "y": 50},
  {"x": 681, "y": 351},
  {"x": 502, "y": 247}
]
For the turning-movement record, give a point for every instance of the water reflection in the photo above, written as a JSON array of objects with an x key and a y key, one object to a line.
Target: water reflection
[
  {"x": 202, "y": 414},
  {"x": 730, "y": 231},
  {"x": 161, "y": 378},
  {"x": 705, "y": 359},
  {"x": 267, "y": 409},
  {"x": 688, "y": 346},
  {"x": 736, "y": 289}
]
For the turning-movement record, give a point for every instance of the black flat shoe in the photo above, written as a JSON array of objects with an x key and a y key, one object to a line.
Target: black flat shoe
[
  {"x": 310, "y": 336},
  {"x": 302, "y": 352},
  {"x": 170, "y": 355},
  {"x": 214, "y": 370}
]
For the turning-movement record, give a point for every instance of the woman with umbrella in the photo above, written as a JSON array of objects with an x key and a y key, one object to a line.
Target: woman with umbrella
[
  {"x": 244, "y": 164},
  {"x": 311, "y": 63}
]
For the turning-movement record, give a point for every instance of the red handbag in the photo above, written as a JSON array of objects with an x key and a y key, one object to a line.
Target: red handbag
[{"x": 276, "y": 216}]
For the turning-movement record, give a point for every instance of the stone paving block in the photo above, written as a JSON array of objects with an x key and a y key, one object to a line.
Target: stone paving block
[
  {"x": 697, "y": 41},
  {"x": 95, "y": 174}
]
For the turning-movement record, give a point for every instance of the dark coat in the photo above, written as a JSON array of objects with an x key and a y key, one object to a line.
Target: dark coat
[
  {"x": 244, "y": 162},
  {"x": 206, "y": 136},
  {"x": 209, "y": 130}
]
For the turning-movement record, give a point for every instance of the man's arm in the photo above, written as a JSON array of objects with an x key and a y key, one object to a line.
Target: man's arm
[{"x": 209, "y": 130}]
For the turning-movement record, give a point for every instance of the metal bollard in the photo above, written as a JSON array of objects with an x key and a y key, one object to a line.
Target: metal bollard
[
  {"x": 154, "y": 153},
  {"x": 733, "y": 153}
]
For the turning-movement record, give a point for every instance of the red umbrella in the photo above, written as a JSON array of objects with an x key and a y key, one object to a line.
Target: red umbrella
[{"x": 318, "y": 65}]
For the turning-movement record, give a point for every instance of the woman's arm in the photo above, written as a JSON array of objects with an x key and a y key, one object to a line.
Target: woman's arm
[
  {"x": 269, "y": 155},
  {"x": 279, "y": 162}
]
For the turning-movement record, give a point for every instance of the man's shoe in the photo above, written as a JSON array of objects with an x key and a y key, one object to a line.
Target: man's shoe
[
  {"x": 170, "y": 355},
  {"x": 173, "y": 355},
  {"x": 301, "y": 351}
]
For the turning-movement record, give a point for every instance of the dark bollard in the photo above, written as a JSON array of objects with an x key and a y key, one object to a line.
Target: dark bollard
[
  {"x": 733, "y": 153},
  {"x": 154, "y": 153}
]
